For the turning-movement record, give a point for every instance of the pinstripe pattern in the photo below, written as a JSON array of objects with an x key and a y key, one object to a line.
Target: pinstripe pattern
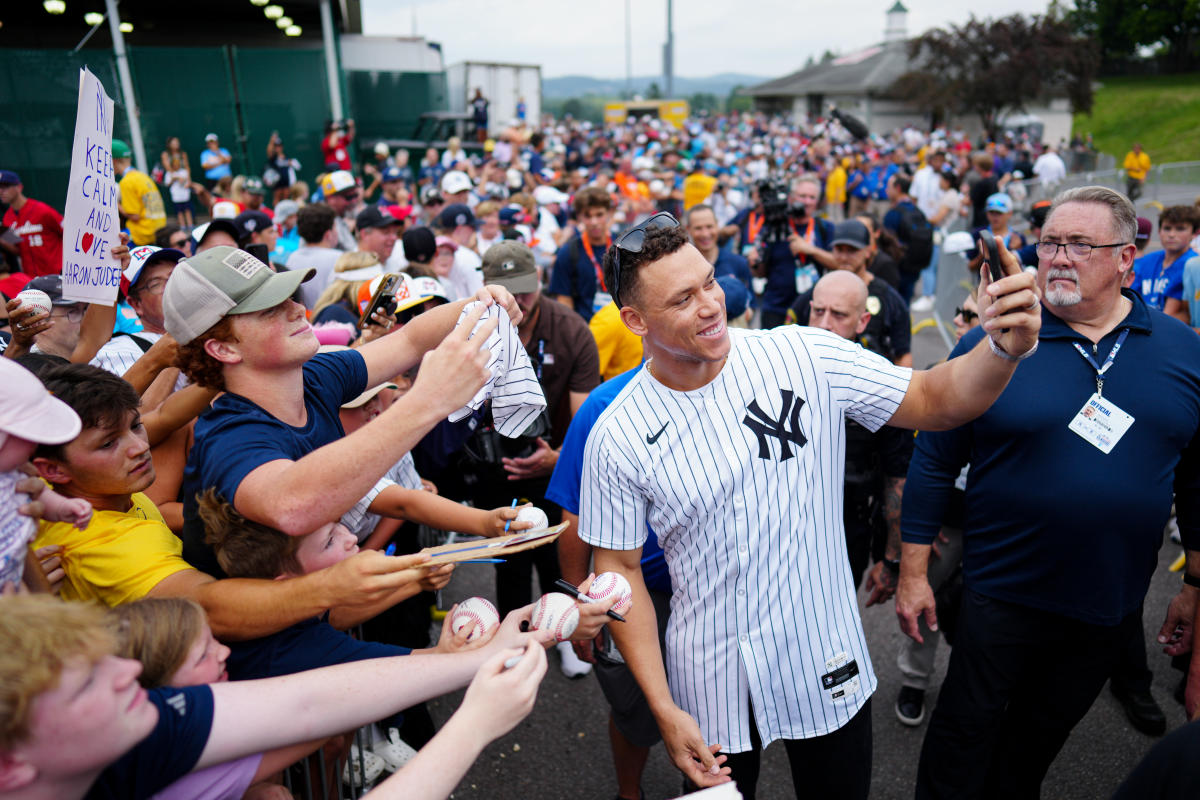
[
  {"x": 757, "y": 553},
  {"x": 516, "y": 393},
  {"x": 120, "y": 352},
  {"x": 359, "y": 520}
]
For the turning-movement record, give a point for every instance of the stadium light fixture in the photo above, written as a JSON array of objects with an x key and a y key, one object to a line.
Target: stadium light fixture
[
  {"x": 283, "y": 22},
  {"x": 126, "y": 27},
  {"x": 93, "y": 18},
  {"x": 293, "y": 30},
  {"x": 273, "y": 11},
  {"x": 54, "y": 6},
  {"x": 259, "y": 3}
]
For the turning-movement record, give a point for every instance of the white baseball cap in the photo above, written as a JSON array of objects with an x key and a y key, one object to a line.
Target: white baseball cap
[
  {"x": 139, "y": 257},
  {"x": 546, "y": 195},
  {"x": 28, "y": 411},
  {"x": 337, "y": 181},
  {"x": 456, "y": 181}
]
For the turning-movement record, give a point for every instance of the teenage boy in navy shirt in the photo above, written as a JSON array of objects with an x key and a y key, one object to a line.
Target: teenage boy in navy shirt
[{"x": 1158, "y": 277}]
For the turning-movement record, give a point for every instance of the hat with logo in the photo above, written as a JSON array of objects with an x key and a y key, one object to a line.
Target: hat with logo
[
  {"x": 251, "y": 222},
  {"x": 420, "y": 245},
  {"x": 142, "y": 257},
  {"x": 1039, "y": 212},
  {"x": 999, "y": 202},
  {"x": 9, "y": 178},
  {"x": 454, "y": 215},
  {"x": 852, "y": 233},
  {"x": 374, "y": 217},
  {"x": 52, "y": 286},
  {"x": 253, "y": 185},
  {"x": 456, "y": 181},
  {"x": 381, "y": 148},
  {"x": 120, "y": 149},
  {"x": 393, "y": 174},
  {"x": 219, "y": 282},
  {"x": 402, "y": 291},
  {"x": 337, "y": 181},
  {"x": 1144, "y": 228},
  {"x": 547, "y": 195},
  {"x": 510, "y": 264},
  {"x": 512, "y": 215},
  {"x": 423, "y": 288},
  {"x": 285, "y": 208},
  {"x": 31, "y": 412},
  {"x": 201, "y": 232},
  {"x": 225, "y": 209}
]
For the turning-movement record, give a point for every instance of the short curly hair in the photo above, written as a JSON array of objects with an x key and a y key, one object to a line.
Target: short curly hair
[
  {"x": 195, "y": 362},
  {"x": 658, "y": 243}
]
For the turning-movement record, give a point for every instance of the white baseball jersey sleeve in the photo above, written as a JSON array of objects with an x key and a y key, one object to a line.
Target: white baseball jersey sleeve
[{"x": 742, "y": 481}]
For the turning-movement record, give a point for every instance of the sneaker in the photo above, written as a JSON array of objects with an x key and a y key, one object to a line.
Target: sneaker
[
  {"x": 572, "y": 666},
  {"x": 922, "y": 304},
  {"x": 394, "y": 751},
  {"x": 910, "y": 706}
]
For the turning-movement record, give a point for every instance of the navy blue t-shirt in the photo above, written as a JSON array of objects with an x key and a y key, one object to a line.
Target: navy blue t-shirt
[
  {"x": 729, "y": 263},
  {"x": 780, "y": 291},
  {"x": 568, "y": 474},
  {"x": 574, "y": 275},
  {"x": 237, "y": 436},
  {"x": 170, "y": 751},
  {"x": 311, "y": 644}
]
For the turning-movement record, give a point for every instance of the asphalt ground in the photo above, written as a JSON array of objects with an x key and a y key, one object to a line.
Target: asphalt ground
[{"x": 561, "y": 750}]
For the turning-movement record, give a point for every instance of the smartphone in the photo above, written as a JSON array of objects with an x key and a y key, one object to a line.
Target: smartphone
[
  {"x": 260, "y": 252},
  {"x": 383, "y": 300},
  {"x": 991, "y": 257}
]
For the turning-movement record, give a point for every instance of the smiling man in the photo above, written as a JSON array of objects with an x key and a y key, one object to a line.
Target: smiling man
[{"x": 729, "y": 444}]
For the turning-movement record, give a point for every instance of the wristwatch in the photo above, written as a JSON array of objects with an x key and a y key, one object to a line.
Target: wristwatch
[{"x": 892, "y": 566}]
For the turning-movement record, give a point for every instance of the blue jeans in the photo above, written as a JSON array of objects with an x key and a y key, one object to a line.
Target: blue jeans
[{"x": 929, "y": 274}]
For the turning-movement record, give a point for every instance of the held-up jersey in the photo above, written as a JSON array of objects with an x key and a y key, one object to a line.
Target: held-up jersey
[{"x": 742, "y": 480}]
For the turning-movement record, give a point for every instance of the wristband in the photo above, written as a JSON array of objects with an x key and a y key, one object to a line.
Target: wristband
[
  {"x": 892, "y": 566},
  {"x": 1008, "y": 356},
  {"x": 1191, "y": 580}
]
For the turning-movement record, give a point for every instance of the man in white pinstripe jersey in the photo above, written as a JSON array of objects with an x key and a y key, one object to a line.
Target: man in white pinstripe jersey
[{"x": 731, "y": 444}]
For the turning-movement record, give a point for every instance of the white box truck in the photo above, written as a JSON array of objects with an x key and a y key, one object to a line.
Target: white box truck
[{"x": 504, "y": 86}]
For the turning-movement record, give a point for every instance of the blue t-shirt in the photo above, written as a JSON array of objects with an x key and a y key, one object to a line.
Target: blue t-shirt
[
  {"x": 171, "y": 750},
  {"x": 574, "y": 275},
  {"x": 433, "y": 174},
  {"x": 311, "y": 644},
  {"x": 219, "y": 171},
  {"x": 1153, "y": 283},
  {"x": 732, "y": 264},
  {"x": 1191, "y": 288},
  {"x": 237, "y": 436},
  {"x": 568, "y": 474}
]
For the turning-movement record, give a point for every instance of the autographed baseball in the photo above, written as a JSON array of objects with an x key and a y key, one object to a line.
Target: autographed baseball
[
  {"x": 535, "y": 515},
  {"x": 612, "y": 584},
  {"x": 556, "y": 612},
  {"x": 476, "y": 614},
  {"x": 35, "y": 298}
]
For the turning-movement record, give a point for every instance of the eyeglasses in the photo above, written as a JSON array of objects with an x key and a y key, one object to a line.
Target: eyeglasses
[
  {"x": 181, "y": 243},
  {"x": 156, "y": 286},
  {"x": 967, "y": 314},
  {"x": 72, "y": 313},
  {"x": 631, "y": 241},
  {"x": 1076, "y": 251}
]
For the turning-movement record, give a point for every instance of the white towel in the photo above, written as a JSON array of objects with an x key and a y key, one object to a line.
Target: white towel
[{"x": 516, "y": 395}]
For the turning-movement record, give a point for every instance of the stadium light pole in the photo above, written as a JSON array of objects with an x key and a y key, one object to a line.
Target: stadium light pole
[
  {"x": 669, "y": 56},
  {"x": 628, "y": 51},
  {"x": 131, "y": 104}
]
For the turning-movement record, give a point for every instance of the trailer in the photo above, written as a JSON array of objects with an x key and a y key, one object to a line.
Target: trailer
[{"x": 504, "y": 86}]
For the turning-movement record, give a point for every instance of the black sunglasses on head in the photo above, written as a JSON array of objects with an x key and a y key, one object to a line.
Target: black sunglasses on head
[{"x": 631, "y": 241}]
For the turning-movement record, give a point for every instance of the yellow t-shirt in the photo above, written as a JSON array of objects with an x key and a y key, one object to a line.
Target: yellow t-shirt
[
  {"x": 696, "y": 189},
  {"x": 835, "y": 186},
  {"x": 121, "y": 555},
  {"x": 1137, "y": 165},
  {"x": 620, "y": 350},
  {"x": 139, "y": 195}
]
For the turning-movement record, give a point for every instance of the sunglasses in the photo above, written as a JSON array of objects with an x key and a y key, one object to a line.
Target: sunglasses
[
  {"x": 631, "y": 242},
  {"x": 967, "y": 314}
]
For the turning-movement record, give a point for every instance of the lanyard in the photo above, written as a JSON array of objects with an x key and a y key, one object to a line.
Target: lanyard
[
  {"x": 753, "y": 226},
  {"x": 1108, "y": 362},
  {"x": 587, "y": 246}
]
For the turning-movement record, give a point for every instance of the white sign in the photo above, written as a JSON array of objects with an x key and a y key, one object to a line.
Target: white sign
[{"x": 91, "y": 226}]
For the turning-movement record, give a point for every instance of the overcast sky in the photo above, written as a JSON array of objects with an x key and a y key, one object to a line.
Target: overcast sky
[{"x": 587, "y": 37}]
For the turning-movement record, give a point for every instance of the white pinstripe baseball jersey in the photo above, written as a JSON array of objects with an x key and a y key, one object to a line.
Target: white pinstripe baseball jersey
[
  {"x": 742, "y": 480},
  {"x": 120, "y": 352},
  {"x": 359, "y": 520}
]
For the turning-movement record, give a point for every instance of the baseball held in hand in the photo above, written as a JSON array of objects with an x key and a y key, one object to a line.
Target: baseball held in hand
[
  {"x": 612, "y": 584},
  {"x": 535, "y": 515},
  {"x": 477, "y": 615},
  {"x": 557, "y": 613},
  {"x": 35, "y": 298}
]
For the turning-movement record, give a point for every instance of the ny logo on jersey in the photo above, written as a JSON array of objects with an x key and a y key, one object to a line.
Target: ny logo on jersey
[{"x": 764, "y": 426}]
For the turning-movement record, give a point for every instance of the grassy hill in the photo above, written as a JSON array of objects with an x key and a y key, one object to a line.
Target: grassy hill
[{"x": 1163, "y": 113}]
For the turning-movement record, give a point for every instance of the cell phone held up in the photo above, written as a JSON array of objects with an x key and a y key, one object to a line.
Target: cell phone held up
[
  {"x": 991, "y": 257},
  {"x": 384, "y": 298}
]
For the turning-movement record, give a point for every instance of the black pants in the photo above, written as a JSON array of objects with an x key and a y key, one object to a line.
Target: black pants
[
  {"x": 836, "y": 765},
  {"x": 1019, "y": 680},
  {"x": 1132, "y": 672}
]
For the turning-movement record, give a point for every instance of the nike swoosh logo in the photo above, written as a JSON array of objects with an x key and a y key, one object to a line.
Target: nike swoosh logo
[{"x": 652, "y": 439}]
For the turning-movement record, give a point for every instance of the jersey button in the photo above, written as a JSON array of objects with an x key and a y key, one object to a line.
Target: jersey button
[
  {"x": 744, "y": 638},
  {"x": 741, "y": 592}
]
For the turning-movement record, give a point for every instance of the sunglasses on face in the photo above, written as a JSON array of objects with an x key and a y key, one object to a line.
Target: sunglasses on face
[{"x": 631, "y": 241}]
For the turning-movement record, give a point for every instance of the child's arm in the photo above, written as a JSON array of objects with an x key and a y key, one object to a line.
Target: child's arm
[
  {"x": 160, "y": 356},
  {"x": 176, "y": 411},
  {"x": 45, "y": 503},
  {"x": 429, "y": 509}
]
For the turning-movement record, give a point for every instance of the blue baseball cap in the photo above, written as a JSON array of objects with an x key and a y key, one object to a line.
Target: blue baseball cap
[
  {"x": 9, "y": 178},
  {"x": 737, "y": 296},
  {"x": 392, "y": 174},
  {"x": 999, "y": 202}
]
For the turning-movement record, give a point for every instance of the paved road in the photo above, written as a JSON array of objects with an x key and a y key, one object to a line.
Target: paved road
[{"x": 561, "y": 750}]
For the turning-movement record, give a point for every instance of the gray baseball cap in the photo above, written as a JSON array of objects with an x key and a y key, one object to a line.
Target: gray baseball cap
[
  {"x": 511, "y": 265},
  {"x": 222, "y": 281}
]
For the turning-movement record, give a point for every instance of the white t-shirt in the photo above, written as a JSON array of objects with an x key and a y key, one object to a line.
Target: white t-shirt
[{"x": 322, "y": 260}]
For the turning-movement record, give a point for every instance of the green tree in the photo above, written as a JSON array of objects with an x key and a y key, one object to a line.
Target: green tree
[
  {"x": 1122, "y": 27},
  {"x": 989, "y": 67},
  {"x": 739, "y": 102},
  {"x": 653, "y": 92}
]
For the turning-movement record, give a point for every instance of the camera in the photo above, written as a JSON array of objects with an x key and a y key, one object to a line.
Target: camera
[{"x": 778, "y": 213}]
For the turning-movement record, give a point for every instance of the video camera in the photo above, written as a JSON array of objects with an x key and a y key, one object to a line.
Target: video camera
[{"x": 778, "y": 213}]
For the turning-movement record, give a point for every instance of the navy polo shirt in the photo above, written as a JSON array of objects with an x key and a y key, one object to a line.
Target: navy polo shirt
[{"x": 1052, "y": 522}]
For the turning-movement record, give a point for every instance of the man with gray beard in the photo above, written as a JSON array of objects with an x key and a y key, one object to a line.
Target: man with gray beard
[{"x": 1072, "y": 473}]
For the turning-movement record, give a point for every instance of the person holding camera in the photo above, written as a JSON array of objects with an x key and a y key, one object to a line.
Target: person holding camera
[{"x": 795, "y": 245}]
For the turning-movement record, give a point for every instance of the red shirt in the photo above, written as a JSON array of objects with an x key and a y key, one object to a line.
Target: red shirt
[
  {"x": 335, "y": 153},
  {"x": 40, "y": 229}
]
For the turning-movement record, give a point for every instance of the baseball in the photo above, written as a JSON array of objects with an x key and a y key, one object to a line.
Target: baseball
[
  {"x": 35, "y": 298},
  {"x": 612, "y": 584},
  {"x": 556, "y": 612},
  {"x": 476, "y": 614},
  {"x": 535, "y": 515}
]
